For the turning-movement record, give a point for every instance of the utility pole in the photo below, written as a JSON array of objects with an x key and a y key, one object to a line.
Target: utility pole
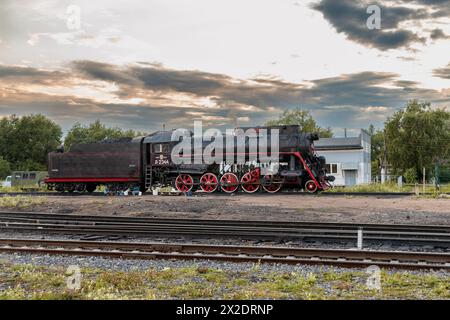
[
  {"x": 423, "y": 179},
  {"x": 384, "y": 165},
  {"x": 436, "y": 174}
]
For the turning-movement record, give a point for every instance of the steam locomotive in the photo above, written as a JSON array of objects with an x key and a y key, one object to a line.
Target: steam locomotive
[{"x": 148, "y": 162}]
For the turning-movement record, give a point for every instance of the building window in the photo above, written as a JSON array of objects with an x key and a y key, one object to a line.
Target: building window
[{"x": 331, "y": 168}]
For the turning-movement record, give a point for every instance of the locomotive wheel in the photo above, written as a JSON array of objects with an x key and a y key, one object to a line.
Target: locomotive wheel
[
  {"x": 209, "y": 182},
  {"x": 184, "y": 183},
  {"x": 90, "y": 187},
  {"x": 229, "y": 182},
  {"x": 250, "y": 182},
  {"x": 271, "y": 185},
  {"x": 310, "y": 186},
  {"x": 80, "y": 187}
]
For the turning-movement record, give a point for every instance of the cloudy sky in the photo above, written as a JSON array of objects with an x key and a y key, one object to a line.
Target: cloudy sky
[{"x": 142, "y": 64}]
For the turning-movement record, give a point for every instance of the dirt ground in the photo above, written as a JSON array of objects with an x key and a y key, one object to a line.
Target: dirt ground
[{"x": 287, "y": 207}]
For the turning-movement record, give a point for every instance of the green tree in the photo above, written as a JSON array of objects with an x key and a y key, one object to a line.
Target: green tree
[
  {"x": 377, "y": 149},
  {"x": 26, "y": 141},
  {"x": 5, "y": 168},
  {"x": 304, "y": 119},
  {"x": 417, "y": 136},
  {"x": 95, "y": 132}
]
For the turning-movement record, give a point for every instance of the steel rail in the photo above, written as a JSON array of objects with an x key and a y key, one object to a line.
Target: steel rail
[
  {"x": 225, "y": 229},
  {"x": 107, "y": 225},
  {"x": 97, "y": 219},
  {"x": 257, "y": 194},
  {"x": 436, "y": 239},
  {"x": 126, "y": 250}
]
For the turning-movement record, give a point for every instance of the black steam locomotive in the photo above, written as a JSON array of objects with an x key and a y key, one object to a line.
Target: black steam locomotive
[{"x": 146, "y": 162}]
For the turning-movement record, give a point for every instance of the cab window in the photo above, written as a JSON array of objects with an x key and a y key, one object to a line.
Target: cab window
[
  {"x": 157, "y": 147},
  {"x": 32, "y": 176},
  {"x": 24, "y": 176},
  {"x": 160, "y": 148}
]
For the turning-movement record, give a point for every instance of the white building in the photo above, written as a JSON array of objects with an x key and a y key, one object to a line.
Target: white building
[{"x": 348, "y": 159}]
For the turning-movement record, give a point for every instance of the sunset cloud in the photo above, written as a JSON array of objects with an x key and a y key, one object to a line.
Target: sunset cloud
[
  {"x": 443, "y": 73},
  {"x": 149, "y": 95},
  {"x": 139, "y": 66}
]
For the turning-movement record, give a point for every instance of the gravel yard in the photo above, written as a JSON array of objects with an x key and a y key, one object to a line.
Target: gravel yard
[
  {"x": 289, "y": 207},
  {"x": 26, "y": 276},
  {"x": 44, "y": 277}
]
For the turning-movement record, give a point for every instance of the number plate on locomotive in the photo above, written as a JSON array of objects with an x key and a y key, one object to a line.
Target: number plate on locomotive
[{"x": 161, "y": 160}]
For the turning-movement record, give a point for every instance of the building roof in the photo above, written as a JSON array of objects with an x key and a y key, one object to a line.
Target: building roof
[{"x": 338, "y": 143}]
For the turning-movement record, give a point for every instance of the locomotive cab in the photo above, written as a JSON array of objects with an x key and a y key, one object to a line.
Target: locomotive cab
[{"x": 160, "y": 155}]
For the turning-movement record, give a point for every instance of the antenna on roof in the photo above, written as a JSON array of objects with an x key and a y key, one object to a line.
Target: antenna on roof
[
  {"x": 164, "y": 127},
  {"x": 345, "y": 132}
]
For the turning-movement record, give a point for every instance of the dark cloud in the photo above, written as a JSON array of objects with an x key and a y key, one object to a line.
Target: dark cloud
[
  {"x": 349, "y": 17},
  {"x": 437, "y": 34},
  {"x": 67, "y": 110},
  {"x": 259, "y": 92},
  {"x": 430, "y": 2},
  {"x": 30, "y": 75},
  {"x": 153, "y": 77},
  {"x": 102, "y": 71},
  {"x": 443, "y": 73},
  {"x": 366, "y": 89},
  {"x": 406, "y": 84}
]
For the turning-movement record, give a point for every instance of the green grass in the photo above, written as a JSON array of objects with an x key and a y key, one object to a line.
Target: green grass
[
  {"x": 33, "y": 282},
  {"x": 21, "y": 201},
  {"x": 19, "y": 189},
  {"x": 390, "y": 187}
]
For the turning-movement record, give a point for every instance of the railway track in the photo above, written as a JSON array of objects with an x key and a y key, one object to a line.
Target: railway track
[
  {"x": 126, "y": 250},
  {"x": 256, "y": 230},
  {"x": 331, "y": 194}
]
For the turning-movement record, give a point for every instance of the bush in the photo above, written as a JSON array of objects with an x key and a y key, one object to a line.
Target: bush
[
  {"x": 5, "y": 168},
  {"x": 410, "y": 175}
]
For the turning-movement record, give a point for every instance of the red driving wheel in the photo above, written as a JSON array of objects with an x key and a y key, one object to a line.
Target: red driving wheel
[
  {"x": 310, "y": 186},
  {"x": 184, "y": 183},
  {"x": 271, "y": 184},
  {"x": 209, "y": 182},
  {"x": 229, "y": 182},
  {"x": 250, "y": 181}
]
